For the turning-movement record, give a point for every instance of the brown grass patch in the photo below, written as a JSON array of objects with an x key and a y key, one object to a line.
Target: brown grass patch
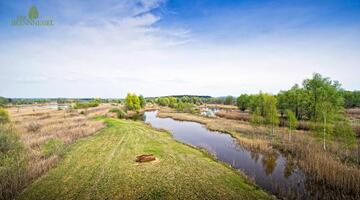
[
  {"x": 38, "y": 126},
  {"x": 237, "y": 115}
]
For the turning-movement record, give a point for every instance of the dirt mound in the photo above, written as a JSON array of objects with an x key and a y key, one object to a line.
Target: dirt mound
[{"x": 145, "y": 158}]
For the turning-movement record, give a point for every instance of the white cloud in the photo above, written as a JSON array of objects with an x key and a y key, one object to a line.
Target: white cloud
[{"x": 110, "y": 55}]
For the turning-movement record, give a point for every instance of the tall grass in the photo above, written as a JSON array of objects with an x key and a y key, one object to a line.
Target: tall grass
[
  {"x": 42, "y": 137},
  {"x": 12, "y": 162}
]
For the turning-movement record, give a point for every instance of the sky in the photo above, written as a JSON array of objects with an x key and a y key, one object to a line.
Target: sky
[{"x": 167, "y": 47}]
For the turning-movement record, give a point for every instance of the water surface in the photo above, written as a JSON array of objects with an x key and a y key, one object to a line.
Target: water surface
[{"x": 270, "y": 171}]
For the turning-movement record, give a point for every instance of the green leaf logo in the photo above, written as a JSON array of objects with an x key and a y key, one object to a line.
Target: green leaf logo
[{"x": 33, "y": 13}]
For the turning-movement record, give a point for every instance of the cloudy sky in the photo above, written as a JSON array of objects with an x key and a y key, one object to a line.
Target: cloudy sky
[{"x": 165, "y": 47}]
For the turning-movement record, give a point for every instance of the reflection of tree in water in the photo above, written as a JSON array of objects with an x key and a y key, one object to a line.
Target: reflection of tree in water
[
  {"x": 255, "y": 156},
  {"x": 269, "y": 162},
  {"x": 289, "y": 167}
]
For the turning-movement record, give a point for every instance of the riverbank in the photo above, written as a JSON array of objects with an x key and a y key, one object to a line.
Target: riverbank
[
  {"x": 323, "y": 167},
  {"x": 103, "y": 167}
]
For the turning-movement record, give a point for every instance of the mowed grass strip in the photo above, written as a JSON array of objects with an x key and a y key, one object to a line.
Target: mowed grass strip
[{"x": 103, "y": 167}]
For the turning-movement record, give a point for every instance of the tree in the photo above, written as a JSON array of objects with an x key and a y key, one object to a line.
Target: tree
[
  {"x": 172, "y": 102},
  {"x": 326, "y": 103},
  {"x": 323, "y": 90},
  {"x": 296, "y": 99},
  {"x": 229, "y": 100},
  {"x": 132, "y": 102},
  {"x": 243, "y": 102},
  {"x": 256, "y": 118},
  {"x": 351, "y": 99},
  {"x": 185, "y": 99},
  {"x": 163, "y": 101},
  {"x": 3, "y": 101},
  {"x": 270, "y": 112},
  {"x": 142, "y": 101},
  {"x": 292, "y": 121}
]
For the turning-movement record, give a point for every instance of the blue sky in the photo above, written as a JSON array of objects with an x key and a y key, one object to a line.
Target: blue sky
[{"x": 165, "y": 47}]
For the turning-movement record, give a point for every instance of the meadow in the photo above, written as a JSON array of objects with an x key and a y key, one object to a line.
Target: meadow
[{"x": 103, "y": 167}]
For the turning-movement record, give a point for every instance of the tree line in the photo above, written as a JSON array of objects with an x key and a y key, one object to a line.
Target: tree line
[{"x": 319, "y": 100}]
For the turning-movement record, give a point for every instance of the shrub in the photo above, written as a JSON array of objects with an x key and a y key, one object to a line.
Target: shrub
[
  {"x": 186, "y": 107},
  {"x": 12, "y": 163},
  {"x": 52, "y": 147},
  {"x": 81, "y": 105},
  {"x": 119, "y": 112},
  {"x": 4, "y": 116},
  {"x": 33, "y": 127},
  {"x": 343, "y": 131},
  {"x": 229, "y": 100}
]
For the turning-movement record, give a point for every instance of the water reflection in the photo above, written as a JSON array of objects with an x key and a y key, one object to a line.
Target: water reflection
[
  {"x": 289, "y": 168},
  {"x": 270, "y": 171},
  {"x": 269, "y": 162}
]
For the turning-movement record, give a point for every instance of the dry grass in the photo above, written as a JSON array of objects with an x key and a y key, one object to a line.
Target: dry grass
[
  {"x": 219, "y": 106},
  {"x": 39, "y": 126},
  {"x": 236, "y": 114},
  {"x": 325, "y": 167}
]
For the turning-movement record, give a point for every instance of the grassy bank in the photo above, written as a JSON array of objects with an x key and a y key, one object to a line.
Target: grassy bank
[
  {"x": 324, "y": 167},
  {"x": 103, "y": 167}
]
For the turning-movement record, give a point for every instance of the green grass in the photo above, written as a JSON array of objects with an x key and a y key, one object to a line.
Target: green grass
[
  {"x": 52, "y": 146},
  {"x": 103, "y": 167}
]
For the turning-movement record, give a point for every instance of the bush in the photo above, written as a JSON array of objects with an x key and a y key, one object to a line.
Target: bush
[
  {"x": 229, "y": 100},
  {"x": 186, "y": 107},
  {"x": 4, "y": 116},
  {"x": 52, "y": 147},
  {"x": 33, "y": 127},
  {"x": 119, "y": 112},
  {"x": 343, "y": 131},
  {"x": 81, "y": 105},
  {"x": 12, "y": 163}
]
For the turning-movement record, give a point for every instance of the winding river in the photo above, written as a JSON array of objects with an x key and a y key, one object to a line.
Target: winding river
[{"x": 272, "y": 172}]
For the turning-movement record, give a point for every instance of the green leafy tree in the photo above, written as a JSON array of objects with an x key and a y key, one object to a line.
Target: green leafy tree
[
  {"x": 229, "y": 100},
  {"x": 243, "y": 102},
  {"x": 292, "y": 121},
  {"x": 185, "y": 99},
  {"x": 351, "y": 99},
  {"x": 172, "y": 102},
  {"x": 142, "y": 101},
  {"x": 132, "y": 102},
  {"x": 270, "y": 112},
  {"x": 256, "y": 118},
  {"x": 3, "y": 101},
  {"x": 163, "y": 101},
  {"x": 296, "y": 99},
  {"x": 323, "y": 91},
  {"x": 326, "y": 103}
]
